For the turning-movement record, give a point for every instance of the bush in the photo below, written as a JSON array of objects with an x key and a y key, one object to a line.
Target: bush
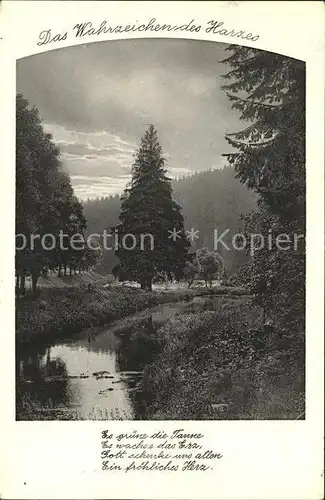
[
  {"x": 62, "y": 312},
  {"x": 210, "y": 368}
]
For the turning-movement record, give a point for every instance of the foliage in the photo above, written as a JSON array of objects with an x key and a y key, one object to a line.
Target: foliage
[
  {"x": 63, "y": 312},
  {"x": 210, "y": 265},
  {"x": 191, "y": 271},
  {"x": 45, "y": 203},
  {"x": 210, "y": 366},
  {"x": 148, "y": 210},
  {"x": 269, "y": 90},
  {"x": 204, "y": 264},
  {"x": 210, "y": 200}
]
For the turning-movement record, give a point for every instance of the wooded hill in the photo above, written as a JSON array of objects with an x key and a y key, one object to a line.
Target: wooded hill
[{"x": 210, "y": 200}]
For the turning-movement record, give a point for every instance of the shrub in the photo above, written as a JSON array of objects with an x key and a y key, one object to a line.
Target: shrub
[
  {"x": 209, "y": 368},
  {"x": 62, "y": 312}
]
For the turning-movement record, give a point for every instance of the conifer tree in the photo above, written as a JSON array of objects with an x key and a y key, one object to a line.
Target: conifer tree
[
  {"x": 269, "y": 156},
  {"x": 148, "y": 214},
  {"x": 269, "y": 91}
]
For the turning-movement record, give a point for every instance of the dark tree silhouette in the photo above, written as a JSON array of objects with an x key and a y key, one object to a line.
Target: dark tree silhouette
[
  {"x": 45, "y": 203},
  {"x": 148, "y": 213},
  {"x": 210, "y": 200},
  {"x": 269, "y": 91}
]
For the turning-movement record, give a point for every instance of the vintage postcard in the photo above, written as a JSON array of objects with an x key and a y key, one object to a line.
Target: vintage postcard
[{"x": 162, "y": 270}]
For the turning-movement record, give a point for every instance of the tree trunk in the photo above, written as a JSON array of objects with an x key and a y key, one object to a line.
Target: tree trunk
[
  {"x": 143, "y": 283},
  {"x": 35, "y": 277},
  {"x": 150, "y": 324},
  {"x": 70, "y": 271},
  {"x": 263, "y": 315},
  {"x": 22, "y": 283},
  {"x": 17, "y": 284},
  {"x": 59, "y": 271},
  {"x": 65, "y": 270}
]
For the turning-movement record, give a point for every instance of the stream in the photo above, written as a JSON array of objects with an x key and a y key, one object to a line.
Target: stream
[{"x": 93, "y": 376}]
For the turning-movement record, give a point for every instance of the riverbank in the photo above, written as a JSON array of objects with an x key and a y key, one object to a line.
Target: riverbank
[
  {"x": 93, "y": 378},
  {"x": 57, "y": 313},
  {"x": 211, "y": 365},
  {"x": 200, "y": 358},
  {"x": 60, "y": 312}
]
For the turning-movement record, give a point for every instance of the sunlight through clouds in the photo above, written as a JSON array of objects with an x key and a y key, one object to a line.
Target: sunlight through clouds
[{"x": 98, "y": 99}]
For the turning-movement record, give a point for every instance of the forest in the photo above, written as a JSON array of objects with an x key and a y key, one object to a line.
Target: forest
[
  {"x": 210, "y": 200},
  {"x": 45, "y": 204},
  {"x": 230, "y": 348}
]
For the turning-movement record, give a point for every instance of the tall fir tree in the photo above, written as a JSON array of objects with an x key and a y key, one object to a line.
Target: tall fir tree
[
  {"x": 148, "y": 213},
  {"x": 269, "y": 90},
  {"x": 269, "y": 156}
]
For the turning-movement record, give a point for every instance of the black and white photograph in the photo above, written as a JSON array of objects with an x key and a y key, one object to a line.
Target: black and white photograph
[{"x": 160, "y": 232}]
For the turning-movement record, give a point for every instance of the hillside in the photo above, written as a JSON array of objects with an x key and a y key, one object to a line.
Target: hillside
[{"x": 210, "y": 200}]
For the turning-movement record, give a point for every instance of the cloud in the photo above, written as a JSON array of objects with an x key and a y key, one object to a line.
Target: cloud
[
  {"x": 97, "y": 100},
  {"x": 93, "y": 186},
  {"x": 90, "y": 186},
  {"x": 97, "y": 154},
  {"x": 98, "y": 139}
]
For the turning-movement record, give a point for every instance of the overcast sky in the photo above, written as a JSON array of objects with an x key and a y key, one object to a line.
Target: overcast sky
[{"x": 98, "y": 99}]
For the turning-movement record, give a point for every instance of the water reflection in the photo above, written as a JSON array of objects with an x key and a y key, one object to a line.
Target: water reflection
[
  {"x": 96, "y": 374},
  {"x": 42, "y": 378},
  {"x": 73, "y": 380}
]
